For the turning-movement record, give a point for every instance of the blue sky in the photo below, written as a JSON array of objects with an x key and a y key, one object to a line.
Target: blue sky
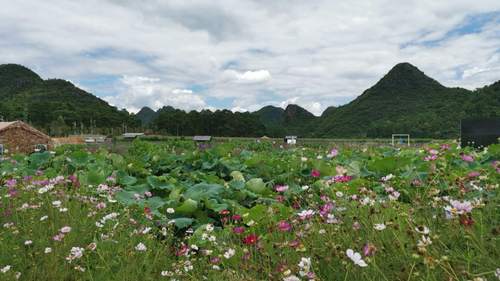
[{"x": 242, "y": 55}]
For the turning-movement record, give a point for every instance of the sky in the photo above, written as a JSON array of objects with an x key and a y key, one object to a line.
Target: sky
[{"x": 244, "y": 54}]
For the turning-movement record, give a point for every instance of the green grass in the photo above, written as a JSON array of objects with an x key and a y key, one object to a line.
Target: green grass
[{"x": 457, "y": 252}]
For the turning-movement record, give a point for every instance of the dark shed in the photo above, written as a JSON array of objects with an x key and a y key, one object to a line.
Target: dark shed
[{"x": 480, "y": 132}]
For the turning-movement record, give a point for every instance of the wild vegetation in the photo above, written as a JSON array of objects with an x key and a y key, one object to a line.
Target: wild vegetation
[{"x": 251, "y": 211}]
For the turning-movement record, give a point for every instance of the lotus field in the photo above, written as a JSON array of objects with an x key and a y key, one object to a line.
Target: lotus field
[{"x": 251, "y": 211}]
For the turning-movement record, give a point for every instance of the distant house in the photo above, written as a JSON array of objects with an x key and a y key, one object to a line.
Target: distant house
[
  {"x": 132, "y": 135},
  {"x": 202, "y": 138},
  {"x": 480, "y": 132},
  {"x": 290, "y": 139},
  {"x": 19, "y": 137},
  {"x": 94, "y": 138}
]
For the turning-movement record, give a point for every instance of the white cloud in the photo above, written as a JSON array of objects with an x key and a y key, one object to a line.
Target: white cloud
[
  {"x": 138, "y": 91},
  {"x": 257, "y": 76},
  {"x": 250, "y": 52}
]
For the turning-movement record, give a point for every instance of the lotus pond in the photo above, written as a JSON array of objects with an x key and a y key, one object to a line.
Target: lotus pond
[{"x": 251, "y": 211}]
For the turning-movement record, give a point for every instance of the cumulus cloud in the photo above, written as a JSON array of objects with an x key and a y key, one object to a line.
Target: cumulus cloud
[
  {"x": 138, "y": 91},
  {"x": 245, "y": 54},
  {"x": 257, "y": 76}
]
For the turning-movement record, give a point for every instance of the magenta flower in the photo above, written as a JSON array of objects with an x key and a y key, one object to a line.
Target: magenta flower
[
  {"x": 281, "y": 188},
  {"x": 474, "y": 174},
  {"x": 238, "y": 229},
  {"x": 315, "y": 173},
  {"x": 467, "y": 158},
  {"x": 334, "y": 152},
  {"x": 326, "y": 209},
  {"x": 284, "y": 226},
  {"x": 11, "y": 183}
]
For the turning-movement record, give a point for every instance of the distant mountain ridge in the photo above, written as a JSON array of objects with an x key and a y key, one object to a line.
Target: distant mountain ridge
[{"x": 405, "y": 100}]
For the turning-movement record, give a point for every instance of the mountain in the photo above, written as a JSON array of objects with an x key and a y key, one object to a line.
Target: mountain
[
  {"x": 146, "y": 115},
  {"x": 406, "y": 100},
  {"x": 293, "y": 120},
  {"x": 55, "y": 104}
]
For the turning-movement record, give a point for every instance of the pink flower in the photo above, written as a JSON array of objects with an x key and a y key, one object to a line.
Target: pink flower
[
  {"x": 100, "y": 205},
  {"x": 334, "y": 152},
  {"x": 238, "y": 229},
  {"x": 474, "y": 174},
  {"x": 461, "y": 207},
  {"x": 58, "y": 237},
  {"x": 467, "y": 158},
  {"x": 315, "y": 173},
  {"x": 236, "y": 217},
  {"x": 284, "y": 226},
  {"x": 281, "y": 188},
  {"x": 11, "y": 183}
]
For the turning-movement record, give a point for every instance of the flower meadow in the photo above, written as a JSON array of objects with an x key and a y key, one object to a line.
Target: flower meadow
[{"x": 251, "y": 211}]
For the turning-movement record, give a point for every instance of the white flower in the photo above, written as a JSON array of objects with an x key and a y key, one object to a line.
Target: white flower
[
  {"x": 422, "y": 229},
  {"x": 166, "y": 273},
  {"x": 497, "y": 273},
  {"x": 146, "y": 230},
  {"x": 229, "y": 253},
  {"x": 170, "y": 210},
  {"x": 388, "y": 177},
  {"x": 56, "y": 204},
  {"x": 305, "y": 266},
  {"x": 194, "y": 247},
  {"x": 303, "y": 159},
  {"x": 44, "y": 218},
  {"x": 424, "y": 242},
  {"x": 28, "y": 242},
  {"x": 305, "y": 214},
  {"x": 48, "y": 250},
  {"x": 356, "y": 258},
  {"x": 63, "y": 210},
  {"x": 339, "y": 194},
  {"x": 379, "y": 226},
  {"x": 209, "y": 227},
  {"x": 291, "y": 278},
  {"x": 65, "y": 229},
  {"x": 140, "y": 247},
  {"x": 75, "y": 253},
  {"x": 322, "y": 231},
  {"x": 305, "y": 187},
  {"x": 5, "y": 268}
]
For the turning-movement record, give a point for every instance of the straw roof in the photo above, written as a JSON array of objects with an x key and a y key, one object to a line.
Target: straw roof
[{"x": 7, "y": 125}]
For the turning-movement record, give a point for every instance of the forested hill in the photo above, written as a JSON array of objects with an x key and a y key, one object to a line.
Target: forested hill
[
  {"x": 56, "y": 106},
  {"x": 405, "y": 100}
]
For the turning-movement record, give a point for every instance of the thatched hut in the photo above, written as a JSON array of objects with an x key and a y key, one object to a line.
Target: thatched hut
[{"x": 19, "y": 137}]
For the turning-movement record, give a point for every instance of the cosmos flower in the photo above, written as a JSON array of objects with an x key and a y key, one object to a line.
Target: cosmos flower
[
  {"x": 306, "y": 214},
  {"x": 422, "y": 229},
  {"x": 250, "y": 239},
  {"x": 356, "y": 258},
  {"x": 467, "y": 158},
  {"x": 140, "y": 247},
  {"x": 379, "y": 226},
  {"x": 284, "y": 226},
  {"x": 65, "y": 229},
  {"x": 75, "y": 253},
  {"x": 315, "y": 173},
  {"x": 238, "y": 229},
  {"x": 281, "y": 188}
]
